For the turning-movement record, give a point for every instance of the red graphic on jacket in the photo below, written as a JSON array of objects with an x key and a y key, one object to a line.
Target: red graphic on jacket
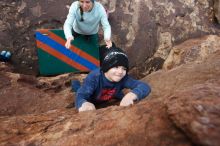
[{"x": 107, "y": 94}]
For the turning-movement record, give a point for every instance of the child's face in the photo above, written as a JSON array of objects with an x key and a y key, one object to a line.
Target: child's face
[
  {"x": 115, "y": 74},
  {"x": 86, "y": 5}
]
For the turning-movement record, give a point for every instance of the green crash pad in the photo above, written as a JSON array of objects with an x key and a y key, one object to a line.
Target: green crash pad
[{"x": 54, "y": 58}]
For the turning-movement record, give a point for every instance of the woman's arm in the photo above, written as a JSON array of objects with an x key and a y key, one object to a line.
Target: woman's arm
[
  {"x": 106, "y": 27},
  {"x": 68, "y": 24}
]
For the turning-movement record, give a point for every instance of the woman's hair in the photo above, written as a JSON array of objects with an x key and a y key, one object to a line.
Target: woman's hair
[{"x": 81, "y": 13}]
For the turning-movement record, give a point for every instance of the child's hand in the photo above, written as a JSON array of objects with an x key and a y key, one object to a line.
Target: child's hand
[
  {"x": 87, "y": 106},
  {"x": 128, "y": 99},
  {"x": 68, "y": 42}
]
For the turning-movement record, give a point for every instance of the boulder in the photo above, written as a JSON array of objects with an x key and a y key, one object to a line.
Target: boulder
[{"x": 148, "y": 28}]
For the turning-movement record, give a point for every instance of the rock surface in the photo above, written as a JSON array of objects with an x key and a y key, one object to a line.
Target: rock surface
[
  {"x": 24, "y": 94},
  {"x": 148, "y": 28},
  {"x": 196, "y": 110},
  {"x": 191, "y": 94},
  {"x": 182, "y": 110},
  {"x": 194, "y": 50}
]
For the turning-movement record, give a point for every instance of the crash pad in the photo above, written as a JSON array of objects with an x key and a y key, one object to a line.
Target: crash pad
[{"x": 54, "y": 58}]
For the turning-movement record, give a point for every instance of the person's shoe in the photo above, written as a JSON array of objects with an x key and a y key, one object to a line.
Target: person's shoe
[{"x": 75, "y": 84}]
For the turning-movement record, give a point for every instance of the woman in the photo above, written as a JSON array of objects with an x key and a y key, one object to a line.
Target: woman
[{"x": 84, "y": 18}]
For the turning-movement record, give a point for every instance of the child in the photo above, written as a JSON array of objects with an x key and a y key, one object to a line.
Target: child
[{"x": 107, "y": 82}]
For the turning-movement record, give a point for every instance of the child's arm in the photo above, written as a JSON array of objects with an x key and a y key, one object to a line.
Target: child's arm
[
  {"x": 106, "y": 27},
  {"x": 139, "y": 90},
  {"x": 137, "y": 87},
  {"x": 85, "y": 92}
]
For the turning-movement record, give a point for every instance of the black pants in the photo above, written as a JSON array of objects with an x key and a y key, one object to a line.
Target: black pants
[{"x": 75, "y": 34}]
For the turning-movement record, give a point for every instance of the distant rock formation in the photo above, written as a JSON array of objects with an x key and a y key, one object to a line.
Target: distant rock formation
[
  {"x": 193, "y": 50},
  {"x": 148, "y": 28}
]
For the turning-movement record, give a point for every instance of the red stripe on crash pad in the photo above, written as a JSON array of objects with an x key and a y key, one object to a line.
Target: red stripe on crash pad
[
  {"x": 74, "y": 49},
  {"x": 60, "y": 56}
]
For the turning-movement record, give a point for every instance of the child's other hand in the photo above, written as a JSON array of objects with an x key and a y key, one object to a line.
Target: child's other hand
[
  {"x": 68, "y": 42},
  {"x": 87, "y": 106},
  {"x": 128, "y": 99}
]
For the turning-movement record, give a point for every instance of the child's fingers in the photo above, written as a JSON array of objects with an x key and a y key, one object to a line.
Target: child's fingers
[
  {"x": 126, "y": 102},
  {"x": 86, "y": 107}
]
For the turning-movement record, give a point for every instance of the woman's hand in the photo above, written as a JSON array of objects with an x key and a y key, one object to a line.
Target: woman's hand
[
  {"x": 108, "y": 43},
  {"x": 128, "y": 99},
  {"x": 87, "y": 106},
  {"x": 68, "y": 42}
]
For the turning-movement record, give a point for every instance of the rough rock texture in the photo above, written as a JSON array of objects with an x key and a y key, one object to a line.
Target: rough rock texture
[
  {"x": 177, "y": 79},
  {"x": 19, "y": 21},
  {"x": 25, "y": 94},
  {"x": 196, "y": 110},
  {"x": 182, "y": 110},
  {"x": 193, "y": 50},
  {"x": 138, "y": 125},
  {"x": 192, "y": 97},
  {"x": 150, "y": 28}
]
